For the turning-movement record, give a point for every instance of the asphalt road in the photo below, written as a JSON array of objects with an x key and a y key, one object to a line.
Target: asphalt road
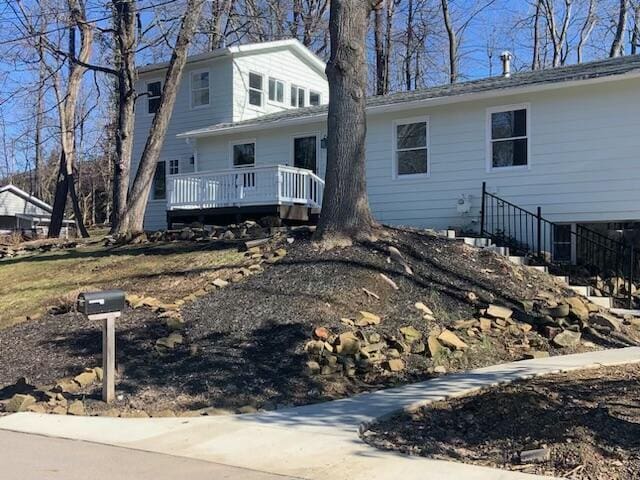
[{"x": 33, "y": 457}]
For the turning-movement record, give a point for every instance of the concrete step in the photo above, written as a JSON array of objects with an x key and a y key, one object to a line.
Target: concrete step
[
  {"x": 517, "y": 260},
  {"x": 476, "y": 241},
  {"x": 499, "y": 250},
  {"x": 562, "y": 278},
  {"x": 540, "y": 268},
  {"x": 606, "y": 302},
  {"x": 625, "y": 311},
  {"x": 583, "y": 290}
]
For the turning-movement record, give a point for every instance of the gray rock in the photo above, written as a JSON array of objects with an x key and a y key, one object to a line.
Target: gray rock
[{"x": 567, "y": 338}]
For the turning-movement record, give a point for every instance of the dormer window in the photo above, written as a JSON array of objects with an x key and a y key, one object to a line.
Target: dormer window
[
  {"x": 154, "y": 93},
  {"x": 298, "y": 95},
  {"x": 315, "y": 98},
  {"x": 276, "y": 90},
  {"x": 255, "y": 89},
  {"x": 199, "y": 89}
]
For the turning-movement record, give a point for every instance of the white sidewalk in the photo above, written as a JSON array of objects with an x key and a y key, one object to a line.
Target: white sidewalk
[{"x": 316, "y": 441}]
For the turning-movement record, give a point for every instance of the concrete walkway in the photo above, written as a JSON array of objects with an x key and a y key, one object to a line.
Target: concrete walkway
[
  {"x": 316, "y": 441},
  {"x": 33, "y": 457}
]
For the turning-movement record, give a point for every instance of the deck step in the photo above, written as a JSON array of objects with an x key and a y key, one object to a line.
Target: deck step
[
  {"x": 562, "y": 278},
  {"x": 517, "y": 260},
  {"x": 606, "y": 302},
  {"x": 583, "y": 290}
]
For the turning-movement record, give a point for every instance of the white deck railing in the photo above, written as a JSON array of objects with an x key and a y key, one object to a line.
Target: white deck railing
[{"x": 268, "y": 185}]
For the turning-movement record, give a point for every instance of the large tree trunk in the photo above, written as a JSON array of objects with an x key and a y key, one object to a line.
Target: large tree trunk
[
  {"x": 345, "y": 212},
  {"x": 125, "y": 16},
  {"x": 618, "y": 39},
  {"x": 409, "y": 46},
  {"x": 453, "y": 42},
  {"x": 132, "y": 221}
]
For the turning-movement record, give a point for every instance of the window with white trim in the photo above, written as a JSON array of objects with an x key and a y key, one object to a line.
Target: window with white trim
[
  {"x": 411, "y": 156},
  {"x": 174, "y": 167},
  {"x": 508, "y": 137},
  {"x": 315, "y": 98},
  {"x": 276, "y": 90},
  {"x": 154, "y": 93},
  {"x": 255, "y": 89},
  {"x": 159, "y": 189},
  {"x": 199, "y": 89},
  {"x": 244, "y": 154},
  {"x": 298, "y": 96}
]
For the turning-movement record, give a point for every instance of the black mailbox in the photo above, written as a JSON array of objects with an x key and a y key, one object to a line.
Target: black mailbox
[{"x": 97, "y": 303}]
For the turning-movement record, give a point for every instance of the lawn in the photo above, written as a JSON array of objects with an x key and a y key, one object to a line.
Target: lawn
[{"x": 168, "y": 271}]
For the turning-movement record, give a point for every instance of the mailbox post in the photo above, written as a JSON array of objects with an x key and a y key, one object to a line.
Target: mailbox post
[{"x": 105, "y": 306}]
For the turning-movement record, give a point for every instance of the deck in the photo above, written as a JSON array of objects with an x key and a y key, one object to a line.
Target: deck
[{"x": 273, "y": 189}]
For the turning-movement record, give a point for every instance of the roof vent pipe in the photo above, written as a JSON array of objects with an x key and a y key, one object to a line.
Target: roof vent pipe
[{"x": 506, "y": 58}]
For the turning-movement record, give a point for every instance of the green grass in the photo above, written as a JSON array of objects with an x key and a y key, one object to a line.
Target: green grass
[{"x": 167, "y": 271}]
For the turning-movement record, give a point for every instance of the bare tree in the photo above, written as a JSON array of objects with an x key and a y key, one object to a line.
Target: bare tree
[
  {"x": 617, "y": 46},
  {"x": 587, "y": 28},
  {"x": 132, "y": 220},
  {"x": 345, "y": 213},
  {"x": 558, "y": 31},
  {"x": 453, "y": 42}
]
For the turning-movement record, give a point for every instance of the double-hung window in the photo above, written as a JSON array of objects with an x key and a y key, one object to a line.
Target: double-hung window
[
  {"x": 411, "y": 150},
  {"x": 154, "y": 93},
  {"x": 174, "y": 167},
  {"x": 276, "y": 90},
  {"x": 199, "y": 89},
  {"x": 508, "y": 137},
  {"x": 159, "y": 189},
  {"x": 256, "y": 92},
  {"x": 298, "y": 96}
]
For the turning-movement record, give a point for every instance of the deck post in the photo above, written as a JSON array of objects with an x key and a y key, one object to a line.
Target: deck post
[
  {"x": 482, "y": 206},
  {"x": 539, "y": 219}
]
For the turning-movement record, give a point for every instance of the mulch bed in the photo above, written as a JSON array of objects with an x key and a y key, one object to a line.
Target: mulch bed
[
  {"x": 244, "y": 344},
  {"x": 588, "y": 421}
]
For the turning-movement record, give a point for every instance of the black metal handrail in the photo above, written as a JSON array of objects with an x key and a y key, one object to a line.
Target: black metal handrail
[{"x": 550, "y": 243}]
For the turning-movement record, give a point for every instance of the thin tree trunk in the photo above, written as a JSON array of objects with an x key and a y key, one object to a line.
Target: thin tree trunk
[
  {"x": 380, "y": 52},
  {"x": 635, "y": 36},
  {"x": 618, "y": 39},
  {"x": 132, "y": 221},
  {"x": 587, "y": 28},
  {"x": 345, "y": 212},
  {"x": 535, "y": 62},
  {"x": 453, "y": 42},
  {"x": 408, "y": 54},
  {"x": 39, "y": 121}
]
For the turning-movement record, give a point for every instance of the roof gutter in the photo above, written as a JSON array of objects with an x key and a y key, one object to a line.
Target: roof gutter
[{"x": 419, "y": 103}]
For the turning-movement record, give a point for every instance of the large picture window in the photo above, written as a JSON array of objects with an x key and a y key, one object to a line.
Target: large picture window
[
  {"x": 159, "y": 189},
  {"x": 199, "y": 89},
  {"x": 255, "y": 89},
  {"x": 154, "y": 93},
  {"x": 411, "y": 156},
  {"x": 508, "y": 137},
  {"x": 244, "y": 154}
]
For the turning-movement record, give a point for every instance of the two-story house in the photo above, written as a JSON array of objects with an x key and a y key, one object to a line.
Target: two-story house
[{"x": 223, "y": 87}]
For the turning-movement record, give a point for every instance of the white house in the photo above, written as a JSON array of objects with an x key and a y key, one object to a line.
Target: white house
[
  {"x": 223, "y": 87},
  {"x": 566, "y": 140}
]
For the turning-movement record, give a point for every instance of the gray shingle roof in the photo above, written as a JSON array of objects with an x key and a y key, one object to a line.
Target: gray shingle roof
[{"x": 585, "y": 71}]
